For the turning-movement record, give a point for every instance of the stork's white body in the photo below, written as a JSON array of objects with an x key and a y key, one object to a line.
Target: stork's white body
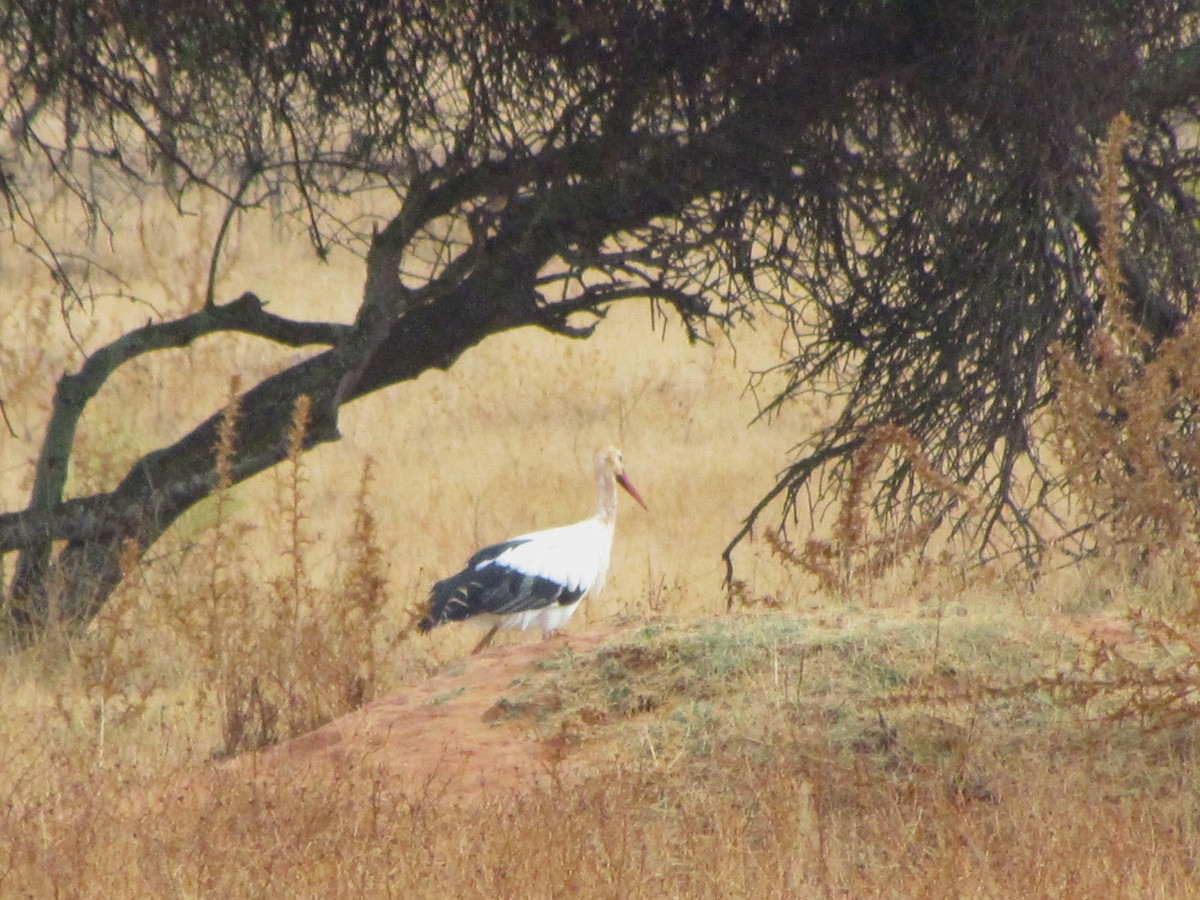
[
  {"x": 536, "y": 579},
  {"x": 574, "y": 556}
]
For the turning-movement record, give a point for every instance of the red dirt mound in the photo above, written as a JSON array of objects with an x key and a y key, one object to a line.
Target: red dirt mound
[{"x": 436, "y": 735}]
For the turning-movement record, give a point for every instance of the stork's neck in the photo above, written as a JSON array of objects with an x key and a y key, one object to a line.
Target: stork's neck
[{"x": 606, "y": 510}]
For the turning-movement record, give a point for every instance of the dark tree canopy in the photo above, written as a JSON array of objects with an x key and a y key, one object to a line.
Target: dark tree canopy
[{"x": 909, "y": 185}]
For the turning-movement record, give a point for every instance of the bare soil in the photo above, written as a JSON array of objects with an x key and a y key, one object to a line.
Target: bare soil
[{"x": 447, "y": 735}]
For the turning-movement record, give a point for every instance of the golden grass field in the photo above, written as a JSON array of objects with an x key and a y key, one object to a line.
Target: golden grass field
[{"x": 905, "y": 740}]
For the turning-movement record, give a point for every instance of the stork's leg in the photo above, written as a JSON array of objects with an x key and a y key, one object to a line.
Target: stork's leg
[{"x": 487, "y": 639}]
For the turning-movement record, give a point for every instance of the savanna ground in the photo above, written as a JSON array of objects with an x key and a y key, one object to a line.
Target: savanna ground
[{"x": 935, "y": 732}]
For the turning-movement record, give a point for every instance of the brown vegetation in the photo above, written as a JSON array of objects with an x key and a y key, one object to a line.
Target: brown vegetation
[{"x": 852, "y": 558}]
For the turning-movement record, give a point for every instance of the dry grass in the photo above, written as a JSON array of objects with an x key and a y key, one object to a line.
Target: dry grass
[
  {"x": 745, "y": 757},
  {"x": 902, "y": 738}
]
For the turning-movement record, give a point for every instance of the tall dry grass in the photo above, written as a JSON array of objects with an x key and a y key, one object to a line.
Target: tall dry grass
[{"x": 760, "y": 762}]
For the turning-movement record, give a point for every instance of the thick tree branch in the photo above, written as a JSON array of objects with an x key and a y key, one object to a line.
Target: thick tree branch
[
  {"x": 385, "y": 297},
  {"x": 245, "y": 314},
  {"x": 75, "y": 391}
]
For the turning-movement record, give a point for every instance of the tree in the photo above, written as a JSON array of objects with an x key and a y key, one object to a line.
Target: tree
[{"x": 905, "y": 183}]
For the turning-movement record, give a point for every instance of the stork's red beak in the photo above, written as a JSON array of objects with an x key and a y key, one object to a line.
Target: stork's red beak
[{"x": 623, "y": 481}]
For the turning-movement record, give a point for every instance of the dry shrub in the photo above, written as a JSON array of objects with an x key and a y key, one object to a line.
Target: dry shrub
[
  {"x": 361, "y": 598},
  {"x": 1125, "y": 416},
  {"x": 281, "y": 655},
  {"x": 1125, "y": 429},
  {"x": 853, "y": 557},
  {"x": 1163, "y": 692}
]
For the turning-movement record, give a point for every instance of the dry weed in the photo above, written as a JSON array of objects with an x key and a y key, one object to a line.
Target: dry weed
[
  {"x": 853, "y": 557},
  {"x": 1125, "y": 416},
  {"x": 272, "y": 655},
  {"x": 1126, "y": 433}
]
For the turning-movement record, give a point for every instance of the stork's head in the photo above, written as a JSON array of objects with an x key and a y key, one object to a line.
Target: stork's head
[{"x": 609, "y": 464}]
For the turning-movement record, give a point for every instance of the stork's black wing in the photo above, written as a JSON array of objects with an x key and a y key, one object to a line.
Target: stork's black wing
[{"x": 488, "y": 585}]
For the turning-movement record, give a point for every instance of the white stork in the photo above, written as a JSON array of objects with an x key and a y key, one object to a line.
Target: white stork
[{"x": 538, "y": 578}]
